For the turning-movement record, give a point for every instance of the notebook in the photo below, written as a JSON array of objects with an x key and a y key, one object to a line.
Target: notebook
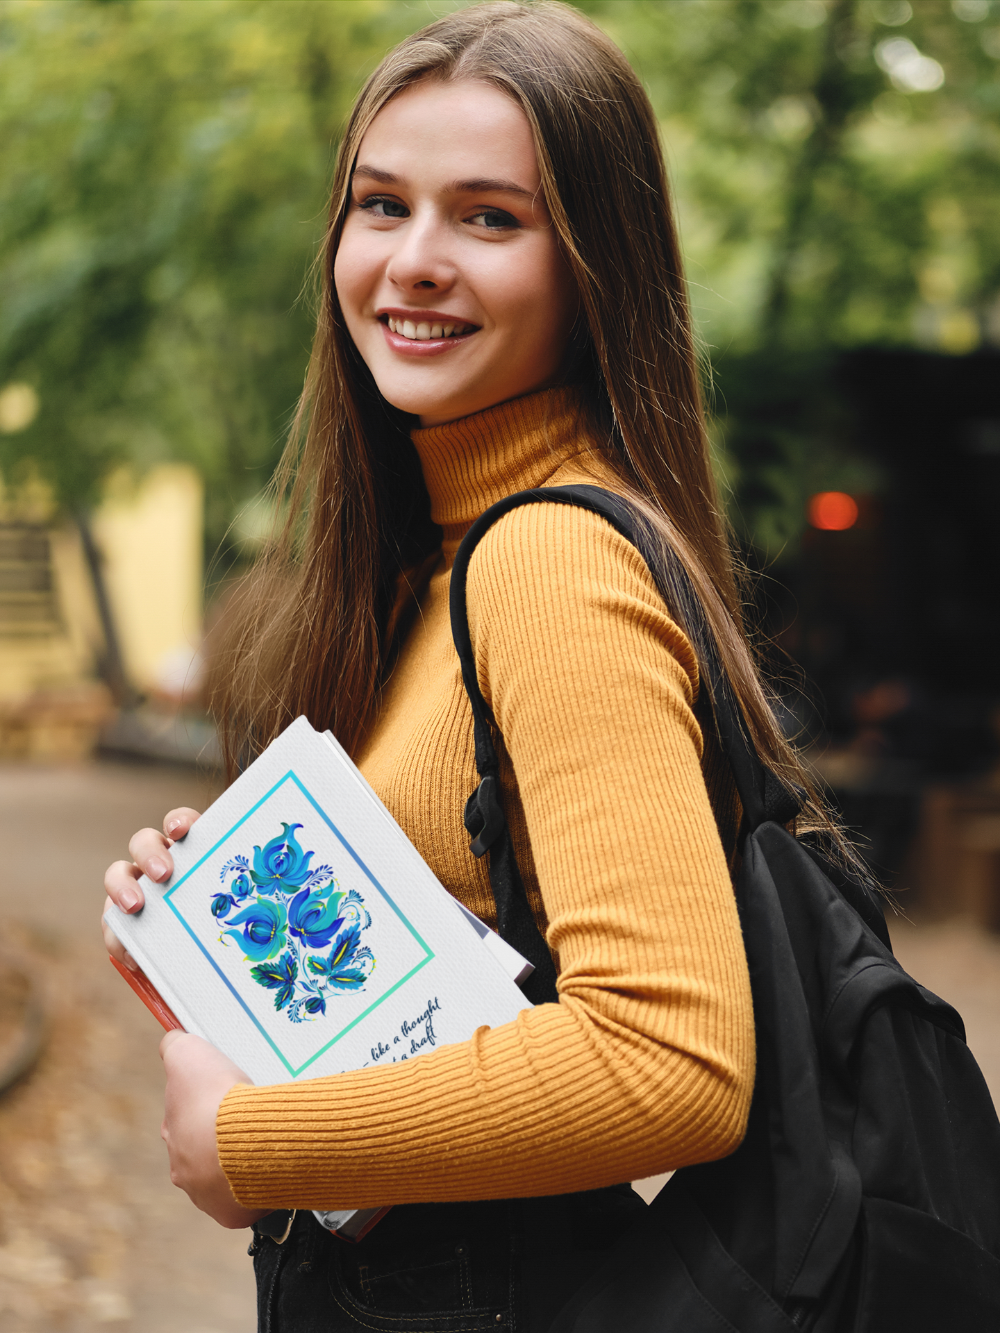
[{"x": 302, "y": 934}]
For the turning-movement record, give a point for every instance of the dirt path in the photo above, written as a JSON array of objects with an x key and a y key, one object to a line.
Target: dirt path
[{"x": 92, "y": 1234}]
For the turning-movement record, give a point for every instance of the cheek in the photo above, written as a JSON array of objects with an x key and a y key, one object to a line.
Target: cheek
[
  {"x": 544, "y": 300},
  {"x": 353, "y": 273}
]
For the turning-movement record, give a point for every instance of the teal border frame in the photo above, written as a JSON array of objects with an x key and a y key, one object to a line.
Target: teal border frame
[{"x": 428, "y": 952}]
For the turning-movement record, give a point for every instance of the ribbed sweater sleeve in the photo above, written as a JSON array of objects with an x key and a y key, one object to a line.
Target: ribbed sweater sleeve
[{"x": 646, "y": 1062}]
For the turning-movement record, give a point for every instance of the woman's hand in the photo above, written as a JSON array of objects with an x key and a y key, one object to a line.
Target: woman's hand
[
  {"x": 150, "y": 856},
  {"x": 198, "y": 1077}
]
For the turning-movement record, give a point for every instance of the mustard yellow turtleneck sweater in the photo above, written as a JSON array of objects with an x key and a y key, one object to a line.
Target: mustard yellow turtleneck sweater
[{"x": 647, "y": 1061}]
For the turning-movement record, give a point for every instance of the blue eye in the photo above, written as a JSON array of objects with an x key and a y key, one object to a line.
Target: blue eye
[
  {"x": 383, "y": 207},
  {"x": 496, "y": 220}
]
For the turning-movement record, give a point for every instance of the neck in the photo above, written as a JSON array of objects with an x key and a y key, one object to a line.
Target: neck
[{"x": 471, "y": 463}]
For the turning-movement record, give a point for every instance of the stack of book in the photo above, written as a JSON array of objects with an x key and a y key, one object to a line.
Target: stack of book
[{"x": 302, "y": 934}]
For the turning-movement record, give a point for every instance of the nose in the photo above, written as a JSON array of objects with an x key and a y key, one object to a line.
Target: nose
[{"x": 420, "y": 261}]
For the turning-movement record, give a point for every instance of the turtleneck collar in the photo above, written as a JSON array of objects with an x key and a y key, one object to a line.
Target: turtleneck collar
[{"x": 471, "y": 463}]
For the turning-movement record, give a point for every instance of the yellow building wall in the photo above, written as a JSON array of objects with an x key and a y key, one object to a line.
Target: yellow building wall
[{"x": 150, "y": 535}]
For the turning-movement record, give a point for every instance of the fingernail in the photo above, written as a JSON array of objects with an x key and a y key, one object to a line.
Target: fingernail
[
  {"x": 173, "y": 826},
  {"x": 129, "y": 898},
  {"x": 130, "y": 962},
  {"x": 156, "y": 869}
]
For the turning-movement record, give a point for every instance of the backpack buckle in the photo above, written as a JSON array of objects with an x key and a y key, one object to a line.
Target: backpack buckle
[{"x": 484, "y": 817}]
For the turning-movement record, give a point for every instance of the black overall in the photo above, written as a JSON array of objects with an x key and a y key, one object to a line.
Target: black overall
[{"x": 441, "y": 1268}]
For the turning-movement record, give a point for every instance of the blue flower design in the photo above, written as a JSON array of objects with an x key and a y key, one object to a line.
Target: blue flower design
[
  {"x": 241, "y": 887},
  {"x": 282, "y": 864},
  {"x": 289, "y": 911},
  {"x": 314, "y": 920},
  {"x": 279, "y": 976},
  {"x": 349, "y": 965},
  {"x": 264, "y": 926}
]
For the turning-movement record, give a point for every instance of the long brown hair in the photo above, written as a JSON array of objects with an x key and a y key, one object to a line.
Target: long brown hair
[{"x": 310, "y": 630}]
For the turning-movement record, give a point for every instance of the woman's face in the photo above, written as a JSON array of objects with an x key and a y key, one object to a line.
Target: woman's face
[{"x": 449, "y": 273}]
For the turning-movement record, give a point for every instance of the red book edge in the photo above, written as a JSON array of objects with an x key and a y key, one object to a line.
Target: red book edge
[
  {"x": 376, "y": 1216},
  {"x": 150, "y": 997}
]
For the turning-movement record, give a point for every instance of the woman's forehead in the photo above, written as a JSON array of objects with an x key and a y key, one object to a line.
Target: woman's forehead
[{"x": 458, "y": 131}]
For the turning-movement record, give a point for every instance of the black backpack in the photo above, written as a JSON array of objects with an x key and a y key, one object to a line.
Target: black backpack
[{"x": 865, "y": 1197}]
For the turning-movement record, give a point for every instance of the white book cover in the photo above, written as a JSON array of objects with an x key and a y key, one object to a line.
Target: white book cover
[{"x": 302, "y": 934}]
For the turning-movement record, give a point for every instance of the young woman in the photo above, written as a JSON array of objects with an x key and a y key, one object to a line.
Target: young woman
[{"x": 502, "y": 307}]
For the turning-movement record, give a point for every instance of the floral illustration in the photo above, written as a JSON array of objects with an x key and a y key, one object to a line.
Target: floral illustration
[{"x": 294, "y": 924}]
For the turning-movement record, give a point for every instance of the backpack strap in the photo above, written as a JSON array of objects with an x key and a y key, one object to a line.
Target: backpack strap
[{"x": 763, "y": 797}]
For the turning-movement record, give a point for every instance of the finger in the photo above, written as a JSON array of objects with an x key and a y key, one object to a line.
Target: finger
[
  {"x": 168, "y": 1039},
  {"x": 176, "y": 823},
  {"x": 121, "y": 886},
  {"x": 148, "y": 849}
]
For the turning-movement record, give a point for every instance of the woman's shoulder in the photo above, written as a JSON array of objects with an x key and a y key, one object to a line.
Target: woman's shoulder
[{"x": 556, "y": 575}]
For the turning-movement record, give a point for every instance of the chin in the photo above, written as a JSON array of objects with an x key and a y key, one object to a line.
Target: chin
[{"x": 431, "y": 407}]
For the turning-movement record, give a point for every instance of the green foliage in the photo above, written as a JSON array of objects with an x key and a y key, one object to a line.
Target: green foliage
[
  {"x": 163, "y": 167},
  {"x": 824, "y": 204},
  {"x": 821, "y": 203}
]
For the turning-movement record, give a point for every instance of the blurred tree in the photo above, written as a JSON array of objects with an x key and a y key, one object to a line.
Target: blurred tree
[
  {"x": 162, "y": 176},
  {"x": 826, "y": 153},
  {"x": 837, "y": 166}
]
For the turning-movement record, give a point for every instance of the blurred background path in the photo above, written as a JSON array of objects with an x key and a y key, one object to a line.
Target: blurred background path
[{"x": 93, "y": 1234}]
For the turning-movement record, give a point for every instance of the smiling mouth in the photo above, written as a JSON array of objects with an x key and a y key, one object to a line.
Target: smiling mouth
[{"x": 424, "y": 331}]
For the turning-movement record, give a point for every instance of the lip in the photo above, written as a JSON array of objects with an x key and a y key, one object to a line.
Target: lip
[
  {"x": 423, "y": 316},
  {"x": 426, "y": 346}
]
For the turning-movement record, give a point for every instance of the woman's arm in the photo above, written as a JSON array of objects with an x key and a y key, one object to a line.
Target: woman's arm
[{"x": 647, "y": 1061}]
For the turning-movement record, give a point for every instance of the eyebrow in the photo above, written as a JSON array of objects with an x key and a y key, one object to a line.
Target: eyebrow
[{"x": 474, "y": 186}]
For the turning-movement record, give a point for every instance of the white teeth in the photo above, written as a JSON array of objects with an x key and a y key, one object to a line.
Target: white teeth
[{"x": 406, "y": 328}]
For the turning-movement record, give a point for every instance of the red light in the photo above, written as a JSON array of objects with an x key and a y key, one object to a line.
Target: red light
[{"x": 833, "y": 511}]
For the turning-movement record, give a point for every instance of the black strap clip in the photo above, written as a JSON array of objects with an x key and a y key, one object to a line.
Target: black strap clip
[
  {"x": 484, "y": 817},
  {"x": 277, "y": 1225}
]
